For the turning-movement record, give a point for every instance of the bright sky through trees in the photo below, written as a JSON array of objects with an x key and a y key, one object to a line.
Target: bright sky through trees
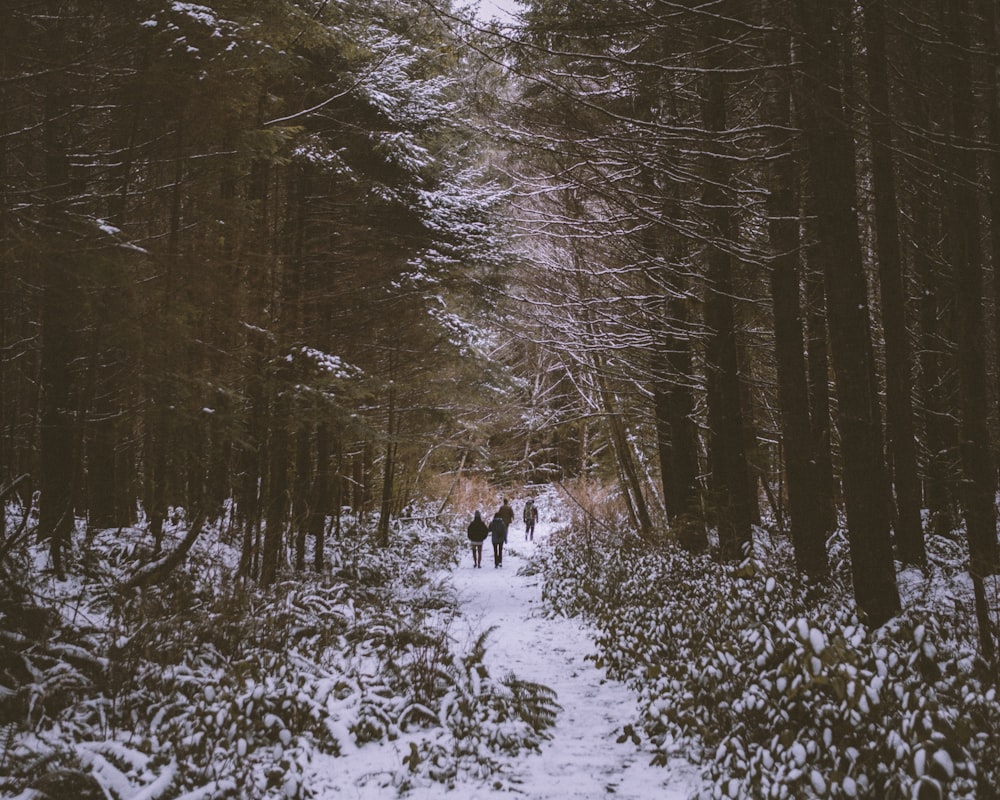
[{"x": 501, "y": 10}]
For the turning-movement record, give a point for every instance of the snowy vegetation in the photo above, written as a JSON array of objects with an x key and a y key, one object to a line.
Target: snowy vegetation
[
  {"x": 781, "y": 690},
  {"x": 202, "y": 686}
]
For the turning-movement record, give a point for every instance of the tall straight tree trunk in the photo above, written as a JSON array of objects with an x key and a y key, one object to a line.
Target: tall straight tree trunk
[
  {"x": 162, "y": 392},
  {"x": 979, "y": 484},
  {"x": 806, "y": 521},
  {"x": 629, "y": 475},
  {"x": 300, "y": 493},
  {"x": 277, "y": 489},
  {"x": 898, "y": 386},
  {"x": 831, "y": 170},
  {"x": 940, "y": 437},
  {"x": 57, "y": 439},
  {"x": 818, "y": 376},
  {"x": 990, "y": 17},
  {"x": 56, "y": 459},
  {"x": 389, "y": 471},
  {"x": 936, "y": 368},
  {"x": 319, "y": 506},
  {"x": 731, "y": 496},
  {"x": 673, "y": 402},
  {"x": 250, "y": 483},
  {"x": 676, "y": 435}
]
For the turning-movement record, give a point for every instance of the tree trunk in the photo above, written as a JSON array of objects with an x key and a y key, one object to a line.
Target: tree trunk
[
  {"x": 990, "y": 18},
  {"x": 818, "y": 376},
  {"x": 388, "y": 473},
  {"x": 277, "y": 494},
  {"x": 300, "y": 494},
  {"x": 319, "y": 508},
  {"x": 937, "y": 377},
  {"x": 898, "y": 389},
  {"x": 731, "y": 495},
  {"x": 629, "y": 476},
  {"x": 59, "y": 309},
  {"x": 806, "y": 521},
  {"x": 979, "y": 484},
  {"x": 831, "y": 170}
]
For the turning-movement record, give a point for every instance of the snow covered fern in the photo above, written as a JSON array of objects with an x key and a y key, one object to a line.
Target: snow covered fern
[
  {"x": 780, "y": 690},
  {"x": 203, "y": 686},
  {"x": 485, "y": 722}
]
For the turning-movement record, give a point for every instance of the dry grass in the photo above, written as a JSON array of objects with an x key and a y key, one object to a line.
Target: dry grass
[{"x": 462, "y": 498}]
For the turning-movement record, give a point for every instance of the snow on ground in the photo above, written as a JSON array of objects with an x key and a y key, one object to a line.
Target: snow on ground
[{"x": 582, "y": 760}]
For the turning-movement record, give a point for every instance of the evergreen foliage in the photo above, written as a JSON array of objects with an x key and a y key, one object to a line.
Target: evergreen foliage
[
  {"x": 205, "y": 684},
  {"x": 780, "y": 690}
]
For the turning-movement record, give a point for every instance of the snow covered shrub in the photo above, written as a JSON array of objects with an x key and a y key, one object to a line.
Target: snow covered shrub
[
  {"x": 782, "y": 691},
  {"x": 485, "y": 721},
  {"x": 200, "y": 684},
  {"x": 844, "y": 712}
]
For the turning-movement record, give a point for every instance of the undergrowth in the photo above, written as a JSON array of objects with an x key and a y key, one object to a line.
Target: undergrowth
[
  {"x": 205, "y": 686},
  {"x": 781, "y": 691}
]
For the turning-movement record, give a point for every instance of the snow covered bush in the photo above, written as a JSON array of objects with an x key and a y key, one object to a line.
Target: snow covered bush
[
  {"x": 781, "y": 691},
  {"x": 203, "y": 685},
  {"x": 485, "y": 721}
]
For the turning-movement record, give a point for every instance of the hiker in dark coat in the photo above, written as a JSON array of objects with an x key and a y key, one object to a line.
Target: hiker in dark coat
[
  {"x": 530, "y": 517},
  {"x": 498, "y": 535},
  {"x": 506, "y": 513},
  {"x": 478, "y": 531}
]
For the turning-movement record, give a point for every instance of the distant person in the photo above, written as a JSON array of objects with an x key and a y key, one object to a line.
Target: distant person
[
  {"x": 507, "y": 513},
  {"x": 530, "y": 517},
  {"x": 498, "y": 535},
  {"x": 478, "y": 531}
]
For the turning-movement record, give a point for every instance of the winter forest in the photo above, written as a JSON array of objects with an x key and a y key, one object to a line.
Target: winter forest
[{"x": 289, "y": 289}]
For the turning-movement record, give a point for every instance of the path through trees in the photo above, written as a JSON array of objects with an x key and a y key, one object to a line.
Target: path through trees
[{"x": 582, "y": 759}]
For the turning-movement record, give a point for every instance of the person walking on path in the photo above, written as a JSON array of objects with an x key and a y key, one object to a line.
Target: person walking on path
[
  {"x": 506, "y": 513},
  {"x": 498, "y": 535},
  {"x": 478, "y": 531},
  {"x": 530, "y": 517}
]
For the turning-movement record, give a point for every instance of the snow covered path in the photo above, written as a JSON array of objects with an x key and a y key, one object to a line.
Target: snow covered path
[{"x": 582, "y": 760}]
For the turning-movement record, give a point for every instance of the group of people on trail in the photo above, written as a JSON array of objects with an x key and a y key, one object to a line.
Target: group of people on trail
[{"x": 497, "y": 531}]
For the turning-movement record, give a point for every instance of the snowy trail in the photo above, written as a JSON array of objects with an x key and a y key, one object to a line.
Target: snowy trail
[{"x": 583, "y": 759}]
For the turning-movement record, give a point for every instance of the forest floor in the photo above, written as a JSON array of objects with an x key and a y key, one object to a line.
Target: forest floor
[{"x": 584, "y": 759}]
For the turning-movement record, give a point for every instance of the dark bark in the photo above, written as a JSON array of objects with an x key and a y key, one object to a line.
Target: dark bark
[
  {"x": 631, "y": 483},
  {"x": 979, "y": 484},
  {"x": 102, "y": 468},
  {"x": 300, "y": 493},
  {"x": 730, "y": 480},
  {"x": 277, "y": 494},
  {"x": 992, "y": 37},
  {"x": 676, "y": 434},
  {"x": 217, "y": 477},
  {"x": 898, "y": 388},
  {"x": 806, "y": 520},
  {"x": 818, "y": 376},
  {"x": 830, "y": 148},
  {"x": 58, "y": 335},
  {"x": 937, "y": 377},
  {"x": 673, "y": 386},
  {"x": 389, "y": 471},
  {"x": 319, "y": 506},
  {"x": 156, "y": 571}
]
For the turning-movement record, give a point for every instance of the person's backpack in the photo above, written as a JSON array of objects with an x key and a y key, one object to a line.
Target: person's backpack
[{"x": 498, "y": 526}]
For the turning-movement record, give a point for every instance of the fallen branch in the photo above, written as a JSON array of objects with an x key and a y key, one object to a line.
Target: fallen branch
[
  {"x": 157, "y": 570},
  {"x": 10, "y": 487}
]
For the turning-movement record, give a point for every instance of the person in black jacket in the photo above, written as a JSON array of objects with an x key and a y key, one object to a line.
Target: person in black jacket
[
  {"x": 477, "y": 535},
  {"x": 506, "y": 513},
  {"x": 498, "y": 535},
  {"x": 530, "y": 517}
]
